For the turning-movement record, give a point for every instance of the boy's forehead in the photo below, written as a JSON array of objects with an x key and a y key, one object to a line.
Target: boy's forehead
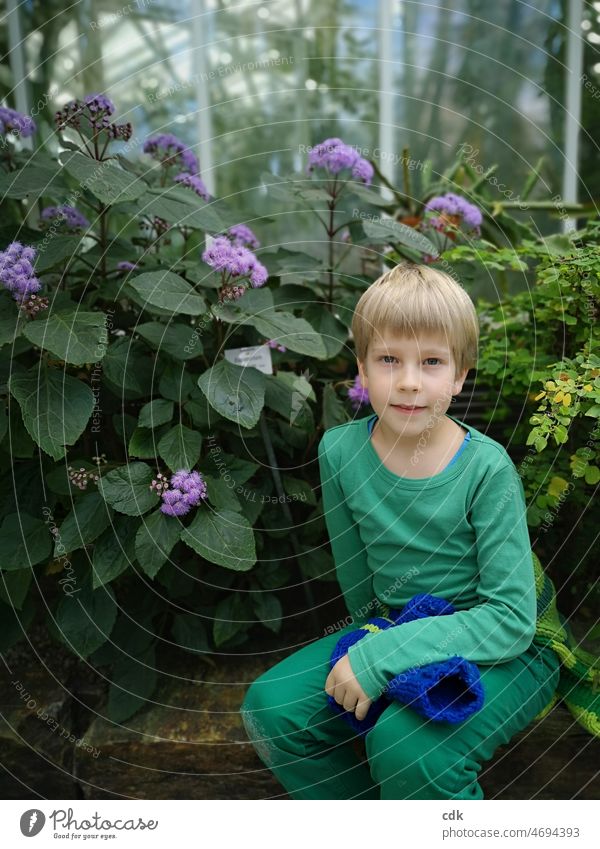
[{"x": 385, "y": 339}]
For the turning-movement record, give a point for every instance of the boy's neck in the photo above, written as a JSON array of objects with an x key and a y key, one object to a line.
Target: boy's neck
[{"x": 425, "y": 452}]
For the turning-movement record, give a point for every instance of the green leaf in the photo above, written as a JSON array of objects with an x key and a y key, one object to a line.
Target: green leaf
[
  {"x": 390, "y": 230},
  {"x": 156, "y": 413},
  {"x": 223, "y": 537},
  {"x": 228, "y": 621},
  {"x": 592, "y": 475},
  {"x": 114, "y": 551},
  {"x": 55, "y": 407},
  {"x": 14, "y": 587},
  {"x": 180, "y": 448},
  {"x": 13, "y": 625},
  {"x": 268, "y": 609},
  {"x": 561, "y": 434},
  {"x": 127, "y": 489},
  {"x": 76, "y": 337},
  {"x": 298, "y": 489},
  {"x": 180, "y": 341},
  {"x": 333, "y": 333},
  {"x": 334, "y": 412},
  {"x": 180, "y": 205},
  {"x": 295, "y": 333},
  {"x": 10, "y": 326},
  {"x": 143, "y": 443},
  {"x": 154, "y": 541},
  {"x": 236, "y": 392},
  {"x": 168, "y": 291},
  {"x": 86, "y": 521},
  {"x": 133, "y": 682},
  {"x": 24, "y": 541},
  {"x": 189, "y": 633},
  {"x": 86, "y": 617},
  {"x": 128, "y": 368},
  {"x": 105, "y": 180},
  {"x": 594, "y": 411},
  {"x": 30, "y": 180},
  {"x": 55, "y": 250}
]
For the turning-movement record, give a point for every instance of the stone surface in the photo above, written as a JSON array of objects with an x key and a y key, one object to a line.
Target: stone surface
[{"x": 189, "y": 742}]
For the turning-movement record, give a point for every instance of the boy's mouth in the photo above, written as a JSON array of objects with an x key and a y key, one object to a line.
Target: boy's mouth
[{"x": 407, "y": 408}]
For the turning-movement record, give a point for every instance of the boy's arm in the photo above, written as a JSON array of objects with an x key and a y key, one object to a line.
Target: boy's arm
[
  {"x": 349, "y": 553},
  {"x": 501, "y": 627}
]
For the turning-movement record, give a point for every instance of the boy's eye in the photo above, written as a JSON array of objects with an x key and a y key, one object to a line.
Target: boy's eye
[{"x": 428, "y": 361}]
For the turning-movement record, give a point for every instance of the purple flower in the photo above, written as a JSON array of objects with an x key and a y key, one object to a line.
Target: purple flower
[
  {"x": 16, "y": 123},
  {"x": 243, "y": 236},
  {"x": 363, "y": 170},
  {"x": 95, "y": 109},
  {"x": 194, "y": 182},
  {"x": 170, "y": 150},
  {"x": 72, "y": 218},
  {"x": 186, "y": 490},
  {"x": 238, "y": 261},
  {"x": 359, "y": 396},
  {"x": 454, "y": 206},
  {"x": 273, "y": 343},
  {"x": 99, "y": 103},
  {"x": 16, "y": 271},
  {"x": 334, "y": 156},
  {"x": 125, "y": 265}
]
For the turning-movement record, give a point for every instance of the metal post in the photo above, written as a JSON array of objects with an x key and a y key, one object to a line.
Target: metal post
[
  {"x": 386, "y": 96},
  {"x": 572, "y": 106},
  {"x": 17, "y": 65},
  {"x": 200, "y": 30}
]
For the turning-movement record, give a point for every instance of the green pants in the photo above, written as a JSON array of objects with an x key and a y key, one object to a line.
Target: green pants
[{"x": 310, "y": 749}]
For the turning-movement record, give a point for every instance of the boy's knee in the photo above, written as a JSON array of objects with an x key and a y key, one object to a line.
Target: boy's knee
[{"x": 414, "y": 764}]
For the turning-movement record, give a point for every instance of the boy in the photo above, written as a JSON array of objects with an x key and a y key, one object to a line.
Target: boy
[{"x": 415, "y": 501}]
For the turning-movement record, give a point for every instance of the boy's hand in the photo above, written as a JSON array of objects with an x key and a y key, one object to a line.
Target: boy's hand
[{"x": 343, "y": 686}]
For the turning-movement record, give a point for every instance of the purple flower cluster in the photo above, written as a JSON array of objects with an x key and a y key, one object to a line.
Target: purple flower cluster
[
  {"x": 72, "y": 218},
  {"x": 273, "y": 343},
  {"x": 170, "y": 150},
  {"x": 335, "y": 156},
  {"x": 125, "y": 265},
  {"x": 454, "y": 205},
  {"x": 243, "y": 235},
  {"x": 16, "y": 271},
  {"x": 359, "y": 396},
  {"x": 193, "y": 182},
  {"x": 16, "y": 123},
  {"x": 238, "y": 261},
  {"x": 95, "y": 109},
  {"x": 186, "y": 490}
]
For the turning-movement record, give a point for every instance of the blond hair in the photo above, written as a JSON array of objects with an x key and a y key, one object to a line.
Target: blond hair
[{"x": 411, "y": 298}]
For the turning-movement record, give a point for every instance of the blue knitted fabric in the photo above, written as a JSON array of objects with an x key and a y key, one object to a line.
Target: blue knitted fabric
[{"x": 448, "y": 691}]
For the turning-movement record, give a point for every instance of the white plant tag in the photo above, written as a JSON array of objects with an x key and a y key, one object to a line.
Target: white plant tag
[{"x": 258, "y": 356}]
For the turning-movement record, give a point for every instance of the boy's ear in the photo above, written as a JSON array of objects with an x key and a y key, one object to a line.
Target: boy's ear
[
  {"x": 362, "y": 373},
  {"x": 458, "y": 382}
]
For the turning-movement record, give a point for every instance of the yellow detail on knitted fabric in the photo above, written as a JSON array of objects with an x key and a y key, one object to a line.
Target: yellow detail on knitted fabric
[
  {"x": 538, "y": 574},
  {"x": 369, "y": 626},
  {"x": 565, "y": 654},
  {"x": 547, "y": 709},
  {"x": 590, "y": 721}
]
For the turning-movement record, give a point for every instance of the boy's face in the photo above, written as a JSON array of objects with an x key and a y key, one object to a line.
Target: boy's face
[{"x": 411, "y": 380}]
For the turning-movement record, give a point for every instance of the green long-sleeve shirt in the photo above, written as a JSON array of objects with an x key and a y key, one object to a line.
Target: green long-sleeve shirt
[{"x": 461, "y": 534}]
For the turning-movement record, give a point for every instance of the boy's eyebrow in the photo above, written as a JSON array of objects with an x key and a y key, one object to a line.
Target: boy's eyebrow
[{"x": 432, "y": 349}]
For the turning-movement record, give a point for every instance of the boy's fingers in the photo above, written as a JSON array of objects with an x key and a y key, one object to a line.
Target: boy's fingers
[{"x": 329, "y": 684}]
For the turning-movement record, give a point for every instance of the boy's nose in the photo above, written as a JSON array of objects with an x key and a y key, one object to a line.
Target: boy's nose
[{"x": 409, "y": 380}]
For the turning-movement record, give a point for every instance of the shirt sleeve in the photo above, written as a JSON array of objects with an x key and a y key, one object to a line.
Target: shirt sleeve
[
  {"x": 499, "y": 628},
  {"x": 349, "y": 553}
]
